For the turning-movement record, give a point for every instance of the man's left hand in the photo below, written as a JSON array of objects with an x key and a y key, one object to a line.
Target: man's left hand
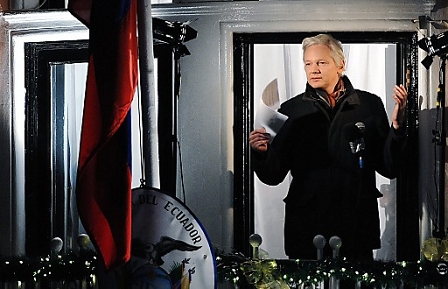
[{"x": 400, "y": 96}]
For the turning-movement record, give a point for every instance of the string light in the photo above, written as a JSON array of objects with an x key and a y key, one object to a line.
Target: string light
[
  {"x": 65, "y": 267},
  {"x": 298, "y": 272}
]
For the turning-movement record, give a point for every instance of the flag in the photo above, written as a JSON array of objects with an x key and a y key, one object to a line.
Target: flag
[{"x": 103, "y": 188}]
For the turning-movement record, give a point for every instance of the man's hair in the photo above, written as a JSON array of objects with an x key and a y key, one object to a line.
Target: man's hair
[{"x": 337, "y": 52}]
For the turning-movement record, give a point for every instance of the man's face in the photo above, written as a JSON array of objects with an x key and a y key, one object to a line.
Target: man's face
[{"x": 321, "y": 70}]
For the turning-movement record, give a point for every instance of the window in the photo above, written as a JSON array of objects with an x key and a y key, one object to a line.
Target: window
[{"x": 254, "y": 54}]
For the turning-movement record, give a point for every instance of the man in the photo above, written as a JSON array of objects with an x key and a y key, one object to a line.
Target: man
[{"x": 334, "y": 140}]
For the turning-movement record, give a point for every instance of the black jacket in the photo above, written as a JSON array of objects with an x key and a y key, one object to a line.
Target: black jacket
[{"x": 330, "y": 194}]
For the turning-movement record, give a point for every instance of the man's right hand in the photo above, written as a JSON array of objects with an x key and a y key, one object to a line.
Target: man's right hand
[{"x": 259, "y": 139}]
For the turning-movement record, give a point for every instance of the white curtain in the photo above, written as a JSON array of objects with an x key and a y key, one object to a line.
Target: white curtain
[
  {"x": 370, "y": 67},
  {"x": 74, "y": 91}
]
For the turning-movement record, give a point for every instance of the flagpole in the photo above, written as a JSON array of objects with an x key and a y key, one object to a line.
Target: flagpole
[{"x": 148, "y": 94}]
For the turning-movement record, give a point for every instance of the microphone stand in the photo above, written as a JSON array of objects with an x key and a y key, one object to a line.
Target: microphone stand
[{"x": 441, "y": 141}]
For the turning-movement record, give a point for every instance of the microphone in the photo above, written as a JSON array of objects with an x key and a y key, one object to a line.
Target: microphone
[
  {"x": 354, "y": 134},
  {"x": 361, "y": 126},
  {"x": 319, "y": 242},
  {"x": 335, "y": 244}
]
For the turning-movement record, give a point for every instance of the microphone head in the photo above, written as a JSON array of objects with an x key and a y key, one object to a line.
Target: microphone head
[
  {"x": 335, "y": 243},
  {"x": 319, "y": 241},
  {"x": 353, "y": 131},
  {"x": 361, "y": 126}
]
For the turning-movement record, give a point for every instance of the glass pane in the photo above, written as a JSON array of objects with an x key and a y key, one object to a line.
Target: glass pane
[{"x": 67, "y": 102}]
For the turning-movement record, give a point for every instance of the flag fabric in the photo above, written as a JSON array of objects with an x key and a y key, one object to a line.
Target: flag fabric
[
  {"x": 81, "y": 10},
  {"x": 103, "y": 188}
]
